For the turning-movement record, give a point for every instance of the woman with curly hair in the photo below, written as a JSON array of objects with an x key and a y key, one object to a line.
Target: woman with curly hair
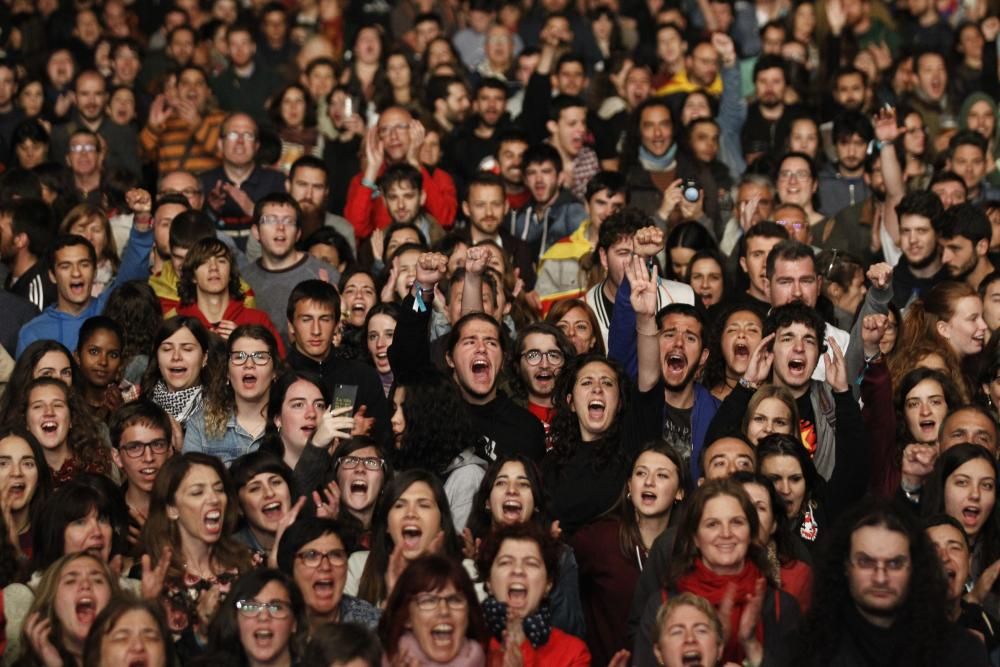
[
  {"x": 443, "y": 446},
  {"x": 735, "y": 333},
  {"x": 232, "y": 419},
  {"x": 61, "y": 422},
  {"x": 209, "y": 289},
  {"x": 590, "y": 457},
  {"x": 399, "y": 86}
]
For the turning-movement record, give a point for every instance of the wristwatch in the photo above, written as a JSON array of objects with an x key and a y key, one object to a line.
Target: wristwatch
[{"x": 747, "y": 384}]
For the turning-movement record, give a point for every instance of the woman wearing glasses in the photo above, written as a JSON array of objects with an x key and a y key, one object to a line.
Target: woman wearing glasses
[
  {"x": 313, "y": 553},
  {"x": 797, "y": 183},
  {"x": 433, "y": 617},
  {"x": 232, "y": 420},
  {"x": 263, "y": 622},
  {"x": 209, "y": 289},
  {"x": 361, "y": 472},
  {"x": 540, "y": 352}
]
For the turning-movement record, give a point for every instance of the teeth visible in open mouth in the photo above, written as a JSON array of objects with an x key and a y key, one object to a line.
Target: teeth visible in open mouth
[
  {"x": 480, "y": 365},
  {"x": 323, "y": 586},
  {"x": 741, "y": 350},
  {"x": 359, "y": 486},
  {"x": 50, "y": 427},
  {"x": 595, "y": 405},
  {"x": 213, "y": 519},
  {"x": 676, "y": 362},
  {"x": 692, "y": 658},
  {"x": 442, "y": 632},
  {"x": 150, "y": 472},
  {"x": 648, "y": 495},
  {"x": 796, "y": 365},
  {"x": 271, "y": 510},
  {"x": 263, "y": 634}
]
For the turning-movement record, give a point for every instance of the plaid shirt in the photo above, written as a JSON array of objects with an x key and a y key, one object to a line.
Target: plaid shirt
[{"x": 585, "y": 166}]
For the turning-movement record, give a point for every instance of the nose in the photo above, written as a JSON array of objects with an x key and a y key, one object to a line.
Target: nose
[
  {"x": 783, "y": 487},
  {"x": 768, "y": 427},
  {"x": 175, "y": 354},
  {"x": 925, "y": 409},
  {"x": 147, "y": 454},
  {"x": 268, "y": 491},
  {"x": 974, "y": 492}
]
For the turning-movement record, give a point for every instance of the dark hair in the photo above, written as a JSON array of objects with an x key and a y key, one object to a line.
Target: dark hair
[
  {"x": 966, "y": 220},
  {"x": 136, "y": 308},
  {"x": 715, "y": 367},
  {"x": 518, "y": 386},
  {"x": 620, "y": 225},
  {"x": 24, "y": 372},
  {"x": 926, "y": 204},
  {"x": 540, "y": 154},
  {"x": 330, "y": 236},
  {"x": 947, "y": 176},
  {"x": 246, "y": 467},
  {"x": 210, "y": 344},
  {"x": 943, "y": 519},
  {"x": 846, "y": 124},
  {"x": 143, "y": 412},
  {"x": 372, "y": 585},
  {"x": 199, "y": 254},
  {"x": 565, "y": 428},
  {"x": 797, "y": 312},
  {"x": 528, "y": 531},
  {"x": 685, "y": 310},
  {"x": 784, "y": 539},
  {"x": 770, "y": 61},
  {"x": 224, "y": 637},
  {"x": 633, "y": 136},
  {"x": 686, "y": 551},
  {"x": 308, "y": 161},
  {"x": 456, "y": 330},
  {"x": 428, "y": 441},
  {"x": 789, "y": 251},
  {"x": 923, "y": 609},
  {"x": 560, "y": 103},
  {"x": 316, "y": 290},
  {"x": 29, "y": 129},
  {"x": 767, "y": 229},
  {"x": 425, "y": 574},
  {"x": 175, "y": 198},
  {"x": 117, "y": 607},
  {"x": 69, "y": 241},
  {"x": 20, "y": 183},
  {"x": 342, "y": 643},
  {"x": 967, "y": 138},
  {"x": 72, "y": 501},
  {"x": 92, "y": 325},
  {"x": 280, "y": 198},
  {"x": 276, "y": 398},
  {"x": 629, "y": 537},
  {"x": 401, "y": 173},
  {"x": 43, "y": 487},
  {"x": 691, "y": 235},
  {"x": 481, "y": 519},
  {"x": 782, "y": 444},
  {"x": 612, "y": 181},
  {"x": 274, "y": 108},
  {"x": 564, "y": 306},
  {"x": 906, "y": 385},
  {"x": 189, "y": 227},
  {"x": 486, "y": 179}
]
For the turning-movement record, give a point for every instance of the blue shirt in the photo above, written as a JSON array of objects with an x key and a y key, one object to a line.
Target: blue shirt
[{"x": 234, "y": 442}]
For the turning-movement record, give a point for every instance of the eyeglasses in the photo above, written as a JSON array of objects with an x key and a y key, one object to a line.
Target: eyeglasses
[
  {"x": 430, "y": 601},
  {"x": 866, "y": 563},
  {"x": 259, "y": 358},
  {"x": 389, "y": 129},
  {"x": 534, "y": 357},
  {"x": 370, "y": 462},
  {"x": 833, "y": 262},
  {"x": 83, "y": 148},
  {"x": 312, "y": 558},
  {"x": 792, "y": 224},
  {"x": 235, "y": 136},
  {"x": 137, "y": 448},
  {"x": 275, "y": 608},
  {"x": 788, "y": 174},
  {"x": 275, "y": 220}
]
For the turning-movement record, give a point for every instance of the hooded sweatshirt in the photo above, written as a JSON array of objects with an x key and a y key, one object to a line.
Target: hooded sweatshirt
[{"x": 993, "y": 170}]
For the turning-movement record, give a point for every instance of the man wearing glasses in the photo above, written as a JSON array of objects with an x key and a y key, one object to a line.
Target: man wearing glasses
[
  {"x": 281, "y": 266},
  {"x": 141, "y": 435},
  {"x": 396, "y": 138},
  {"x": 232, "y": 189}
]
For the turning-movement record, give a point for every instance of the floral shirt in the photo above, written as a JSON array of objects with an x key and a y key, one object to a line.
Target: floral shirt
[{"x": 181, "y": 594}]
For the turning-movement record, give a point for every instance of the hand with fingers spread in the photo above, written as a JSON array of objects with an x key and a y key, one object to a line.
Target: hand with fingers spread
[
  {"x": 389, "y": 289},
  {"x": 153, "y": 578},
  {"x": 748, "y": 209},
  {"x": 750, "y": 618},
  {"x": 377, "y": 241},
  {"x": 374, "y": 154},
  {"x": 283, "y": 523},
  {"x": 886, "y": 126},
  {"x": 334, "y": 424},
  {"x": 159, "y": 114}
]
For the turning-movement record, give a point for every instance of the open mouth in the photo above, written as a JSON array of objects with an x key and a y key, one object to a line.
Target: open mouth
[
  {"x": 741, "y": 351},
  {"x": 517, "y": 595},
  {"x": 308, "y": 429},
  {"x": 86, "y": 610},
  {"x": 272, "y": 511},
  {"x": 359, "y": 486},
  {"x": 442, "y": 634},
  {"x": 17, "y": 488},
  {"x": 323, "y": 587},
  {"x": 249, "y": 380},
  {"x": 928, "y": 425},
  {"x": 647, "y": 498},
  {"x": 545, "y": 377},
  {"x": 358, "y": 307},
  {"x": 512, "y": 509},
  {"x": 797, "y": 365},
  {"x": 263, "y": 635},
  {"x": 213, "y": 521},
  {"x": 481, "y": 370},
  {"x": 177, "y": 371},
  {"x": 138, "y": 662},
  {"x": 49, "y": 427},
  {"x": 692, "y": 658},
  {"x": 970, "y": 515},
  {"x": 596, "y": 410},
  {"x": 149, "y": 472},
  {"x": 77, "y": 287},
  {"x": 676, "y": 363},
  {"x": 411, "y": 537}
]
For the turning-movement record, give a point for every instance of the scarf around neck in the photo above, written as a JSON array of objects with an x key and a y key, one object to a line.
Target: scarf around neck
[
  {"x": 707, "y": 584},
  {"x": 178, "y": 404},
  {"x": 470, "y": 655},
  {"x": 652, "y": 162},
  {"x": 537, "y": 626}
]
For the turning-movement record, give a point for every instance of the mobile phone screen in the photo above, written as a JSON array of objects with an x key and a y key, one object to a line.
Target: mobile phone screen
[{"x": 344, "y": 396}]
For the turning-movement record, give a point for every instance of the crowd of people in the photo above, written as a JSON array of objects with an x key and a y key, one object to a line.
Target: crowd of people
[{"x": 499, "y": 332}]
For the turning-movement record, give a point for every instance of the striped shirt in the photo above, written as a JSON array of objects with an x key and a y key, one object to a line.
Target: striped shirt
[{"x": 167, "y": 146}]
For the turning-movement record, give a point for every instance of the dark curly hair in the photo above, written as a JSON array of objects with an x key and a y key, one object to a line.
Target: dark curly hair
[
  {"x": 136, "y": 308},
  {"x": 516, "y": 384},
  {"x": 428, "y": 441},
  {"x": 530, "y": 531},
  {"x": 24, "y": 372},
  {"x": 923, "y": 611},
  {"x": 565, "y": 429},
  {"x": 906, "y": 385},
  {"x": 715, "y": 367},
  {"x": 481, "y": 519}
]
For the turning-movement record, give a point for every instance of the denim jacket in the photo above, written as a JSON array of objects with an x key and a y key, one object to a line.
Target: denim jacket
[{"x": 233, "y": 443}]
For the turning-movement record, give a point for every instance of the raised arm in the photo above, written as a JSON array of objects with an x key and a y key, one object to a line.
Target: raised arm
[
  {"x": 409, "y": 354},
  {"x": 476, "y": 260},
  {"x": 643, "y": 299},
  {"x": 886, "y": 132}
]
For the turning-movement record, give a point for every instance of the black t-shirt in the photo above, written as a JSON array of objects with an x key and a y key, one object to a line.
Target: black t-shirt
[{"x": 677, "y": 430}]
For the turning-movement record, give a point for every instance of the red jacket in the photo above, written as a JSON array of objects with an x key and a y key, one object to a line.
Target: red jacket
[
  {"x": 562, "y": 650},
  {"x": 368, "y": 213},
  {"x": 238, "y": 313}
]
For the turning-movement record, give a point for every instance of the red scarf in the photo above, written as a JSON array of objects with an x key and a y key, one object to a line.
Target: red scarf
[{"x": 707, "y": 584}]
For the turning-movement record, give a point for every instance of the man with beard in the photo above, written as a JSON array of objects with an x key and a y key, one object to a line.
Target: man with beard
[
  {"x": 965, "y": 233},
  {"x": 842, "y": 184},
  {"x": 485, "y": 207},
  {"x": 511, "y": 146},
  {"x": 671, "y": 350},
  {"x": 246, "y": 85},
  {"x": 930, "y": 95},
  {"x": 448, "y": 99},
  {"x": 25, "y": 234},
  {"x": 967, "y": 157},
  {"x": 567, "y": 128},
  {"x": 476, "y": 347},
  {"x": 768, "y": 119},
  {"x": 281, "y": 267},
  {"x": 919, "y": 268},
  {"x": 122, "y": 145},
  {"x": 880, "y": 598},
  {"x": 477, "y": 137}
]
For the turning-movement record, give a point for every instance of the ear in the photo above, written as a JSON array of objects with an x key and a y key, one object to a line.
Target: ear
[
  {"x": 288, "y": 185},
  {"x": 116, "y": 457},
  {"x": 255, "y": 232},
  {"x": 743, "y": 265},
  {"x": 603, "y": 254},
  {"x": 982, "y": 247},
  {"x": 701, "y": 480},
  {"x": 465, "y": 209},
  {"x": 552, "y": 127},
  {"x": 680, "y": 494},
  {"x": 836, "y": 291},
  {"x": 449, "y": 360},
  {"x": 704, "y": 357},
  {"x": 943, "y": 329},
  {"x": 423, "y": 197}
]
